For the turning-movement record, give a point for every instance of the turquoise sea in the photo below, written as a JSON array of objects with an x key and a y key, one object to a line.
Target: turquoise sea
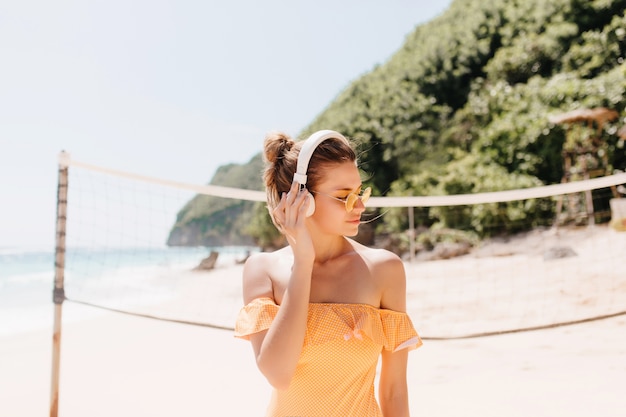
[{"x": 123, "y": 276}]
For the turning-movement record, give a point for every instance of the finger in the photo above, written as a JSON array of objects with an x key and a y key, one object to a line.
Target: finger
[
  {"x": 301, "y": 198},
  {"x": 307, "y": 202},
  {"x": 278, "y": 219},
  {"x": 301, "y": 205},
  {"x": 279, "y": 211},
  {"x": 292, "y": 203},
  {"x": 293, "y": 192},
  {"x": 282, "y": 202},
  {"x": 302, "y": 195}
]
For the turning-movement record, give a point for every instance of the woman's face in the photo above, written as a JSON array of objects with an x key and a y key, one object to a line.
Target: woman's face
[{"x": 330, "y": 215}]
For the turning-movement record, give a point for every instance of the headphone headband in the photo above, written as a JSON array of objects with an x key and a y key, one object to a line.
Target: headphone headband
[{"x": 307, "y": 149}]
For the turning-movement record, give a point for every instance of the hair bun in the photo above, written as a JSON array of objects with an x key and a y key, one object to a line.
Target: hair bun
[{"x": 276, "y": 145}]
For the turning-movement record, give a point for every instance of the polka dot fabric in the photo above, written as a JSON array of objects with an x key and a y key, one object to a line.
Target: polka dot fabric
[{"x": 336, "y": 370}]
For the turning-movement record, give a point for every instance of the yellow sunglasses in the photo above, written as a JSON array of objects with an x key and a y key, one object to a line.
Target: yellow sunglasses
[{"x": 351, "y": 199}]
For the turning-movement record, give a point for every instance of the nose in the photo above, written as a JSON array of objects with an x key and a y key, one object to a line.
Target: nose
[{"x": 359, "y": 205}]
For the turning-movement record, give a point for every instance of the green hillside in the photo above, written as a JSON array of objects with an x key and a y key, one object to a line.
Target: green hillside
[
  {"x": 462, "y": 107},
  {"x": 211, "y": 221}
]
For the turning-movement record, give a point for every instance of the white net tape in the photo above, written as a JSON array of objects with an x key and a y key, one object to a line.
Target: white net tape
[{"x": 415, "y": 201}]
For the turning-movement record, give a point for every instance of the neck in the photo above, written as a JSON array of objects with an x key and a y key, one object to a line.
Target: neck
[{"x": 330, "y": 249}]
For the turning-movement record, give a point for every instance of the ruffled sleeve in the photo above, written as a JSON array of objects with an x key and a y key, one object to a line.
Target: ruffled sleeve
[
  {"x": 255, "y": 317},
  {"x": 327, "y": 321},
  {"x": 399, "y": 332}
]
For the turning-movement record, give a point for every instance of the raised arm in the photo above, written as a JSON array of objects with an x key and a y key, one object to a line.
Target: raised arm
[{"x": 278, "y": 349}]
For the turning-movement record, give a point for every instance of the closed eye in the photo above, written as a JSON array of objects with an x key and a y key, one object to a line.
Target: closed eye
[{"x": 358, "y": 193}]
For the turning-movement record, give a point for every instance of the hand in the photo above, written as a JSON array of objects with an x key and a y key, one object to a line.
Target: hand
[{"x": 290, "y": 215}]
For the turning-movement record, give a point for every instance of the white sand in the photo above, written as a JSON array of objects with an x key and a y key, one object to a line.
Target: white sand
[{"x": 119, "y": 365}]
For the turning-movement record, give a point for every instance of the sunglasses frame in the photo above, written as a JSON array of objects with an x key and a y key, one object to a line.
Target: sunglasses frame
[{"x": 350, "y": 200}]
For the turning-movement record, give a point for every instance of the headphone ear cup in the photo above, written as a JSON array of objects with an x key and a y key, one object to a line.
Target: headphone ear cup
[{"x": 311, "y": 209}]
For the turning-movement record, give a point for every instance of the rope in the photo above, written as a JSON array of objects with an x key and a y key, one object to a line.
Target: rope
[
  {"x": 528, "y": 329},
  {"x": 414, "y": 201},
  {"x": 150, "y": 316},
  {"x": 467, "y": 336}
]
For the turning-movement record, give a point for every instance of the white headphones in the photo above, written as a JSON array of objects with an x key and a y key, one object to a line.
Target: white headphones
[{"x": 306, "y": 151}]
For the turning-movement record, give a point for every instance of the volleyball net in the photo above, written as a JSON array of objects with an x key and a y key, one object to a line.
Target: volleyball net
[{"x": 112, "y": 254}]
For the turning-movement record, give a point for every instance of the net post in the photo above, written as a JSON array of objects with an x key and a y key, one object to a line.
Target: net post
[
  {"x": 411, "y": 233},
  {"x": 591, "y": 217},
  {"x": 58, "y": 293}
]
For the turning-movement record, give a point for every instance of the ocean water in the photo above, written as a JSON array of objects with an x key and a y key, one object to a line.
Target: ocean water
[{"x": 117, "y": 276}]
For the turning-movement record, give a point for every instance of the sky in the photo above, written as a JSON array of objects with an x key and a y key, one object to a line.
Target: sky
[{"x": 170, "y": 89}]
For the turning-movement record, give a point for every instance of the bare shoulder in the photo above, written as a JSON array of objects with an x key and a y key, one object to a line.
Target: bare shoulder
[
  {"x": 257, "y": 282},
  {"x": 382, "y": 261},
  {"x": 388, "y": 271},
  {"x": 259, "y": 271}
]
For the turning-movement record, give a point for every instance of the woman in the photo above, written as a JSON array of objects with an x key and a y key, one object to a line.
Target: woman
[{"x": 322, "y": 310}]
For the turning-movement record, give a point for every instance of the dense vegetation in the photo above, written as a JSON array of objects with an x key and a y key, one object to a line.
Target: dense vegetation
[
  {"x": 463, "y": 107},
  {"x": 212, "y": 221}
]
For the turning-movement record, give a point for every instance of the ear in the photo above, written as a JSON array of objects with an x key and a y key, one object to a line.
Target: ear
[{"x": 311, "y": 209}]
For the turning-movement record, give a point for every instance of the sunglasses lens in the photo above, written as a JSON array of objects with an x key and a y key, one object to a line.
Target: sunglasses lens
[
  {"x": 350, "y": 202},
  {"x": 367, "y": 193},
  {"x": 352, "y": 198}
]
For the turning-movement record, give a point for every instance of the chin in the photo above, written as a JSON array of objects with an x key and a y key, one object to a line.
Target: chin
[{"x": 352, "y": 233}]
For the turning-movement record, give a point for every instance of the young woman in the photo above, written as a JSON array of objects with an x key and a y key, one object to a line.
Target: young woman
[{"x": 322, "y": 310}]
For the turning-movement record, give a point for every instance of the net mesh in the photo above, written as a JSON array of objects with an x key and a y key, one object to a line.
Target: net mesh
[
  {"x": 545, "y": 278},
  {"x": 117, "y": 259}
]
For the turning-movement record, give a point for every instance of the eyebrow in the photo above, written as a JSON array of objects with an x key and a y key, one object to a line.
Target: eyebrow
[{"x": 348, "y": 189}]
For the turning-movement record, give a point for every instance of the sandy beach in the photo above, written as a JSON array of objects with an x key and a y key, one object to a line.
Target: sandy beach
[{"x": 119, "y": 365}]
